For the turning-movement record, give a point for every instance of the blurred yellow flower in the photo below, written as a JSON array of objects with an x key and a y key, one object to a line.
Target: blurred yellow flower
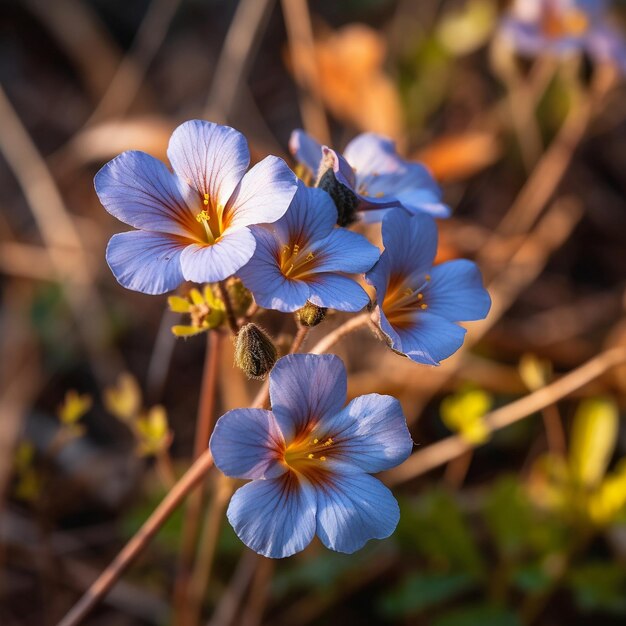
[
  {"x": 463, "y": 413},
  {"x": 123, "y": 400},
  {"x": 73, "y": 407},
  {"x": 152, "y": 431}
]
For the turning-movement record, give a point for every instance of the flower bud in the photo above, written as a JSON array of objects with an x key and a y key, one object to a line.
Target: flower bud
[
  {"x": 240, "y": 297},
  {"x": 344, "y": 199},
  {"x": 255, "y": 353},
  {"x": 311, "y": 315}
]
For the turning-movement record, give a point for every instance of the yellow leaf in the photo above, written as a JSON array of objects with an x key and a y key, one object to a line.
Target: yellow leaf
[
  {"x": 124, "y": 400},
  {"x": 467, "y": 29},
  {"x": 187, "y": 331},
  {"x": 610, "y": 498},
  {"x": 74, "y": 407},
  {"x": 593, "y": 438},
  {"x": 178, "y": 304},
  {"x": 535, "y": 372}
]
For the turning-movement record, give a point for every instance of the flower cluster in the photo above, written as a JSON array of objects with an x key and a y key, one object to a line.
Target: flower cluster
[
  {"x": 309, "y": 458},
  {"x": 563, "y": 27}
]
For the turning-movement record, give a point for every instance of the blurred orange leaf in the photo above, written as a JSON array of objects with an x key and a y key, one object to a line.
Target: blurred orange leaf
[
  {"x": 456, "y": 157},
  {"x": 352, "y": 82}
]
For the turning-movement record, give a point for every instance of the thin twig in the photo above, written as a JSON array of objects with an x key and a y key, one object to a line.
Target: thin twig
[
  {"x": 239, "y": 48},
  {"x": 327, "y": 342},
  {"x": 445, "y": 450},
  {"x": 227, "y": 607},
  {"x": 129, "y": 76},
  {"x": 204, "y": 426},
  {"x": 206, "y": 552},
  {"x": 59, "y": 233},
  {"x": 138, "y": 541},
  {"x": 302, "y": 48},
  {"x": 231, "y": 318}
]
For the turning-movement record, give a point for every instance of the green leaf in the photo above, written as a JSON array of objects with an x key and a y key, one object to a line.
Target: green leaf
[
  {"x": 508, "y": 515},
  {"x": 599, "y": 586},
  {"x": 421, "y": 591},
  {"x": 435, "y": 528},
  {"x": 478, "y": 615}
]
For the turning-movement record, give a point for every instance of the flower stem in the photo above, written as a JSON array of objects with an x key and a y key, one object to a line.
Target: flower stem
[
  {"x": 204, "y": 426},
  {"x": 138, "y": 541},
  {"x": 230, "y": 313},
  {"x": 341, "y": 331}
]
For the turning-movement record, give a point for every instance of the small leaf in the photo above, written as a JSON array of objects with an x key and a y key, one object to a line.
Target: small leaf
[
  {"x": 593, "y": 438},
  {"x": 74, "y": 407},
  {"x": 124, "y": 400}
]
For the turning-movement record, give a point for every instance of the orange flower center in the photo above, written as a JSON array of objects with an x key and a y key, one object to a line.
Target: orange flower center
[
  {"x": 295, "y": 262},
  {"x": 571, "y": 23},
  {"x": 402, "y": 301},
  {"x": 307, "y": 454}
]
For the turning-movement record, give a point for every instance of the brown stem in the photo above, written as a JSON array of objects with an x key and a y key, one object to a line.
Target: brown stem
[
  {"x": 138, "y": 541},
  {"x": 333, "y": 337},
  {"x": 204, "y": 426},
  {"x": 208, "y": 543},
  {"x": 231, "y": 318},
  {"x": 452, "y": 447}
]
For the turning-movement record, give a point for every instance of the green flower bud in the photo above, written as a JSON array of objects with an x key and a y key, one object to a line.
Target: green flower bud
[
  {"x": 311, "y": 315},
  {"x": 240, "y": 297},
  {"x": 255, "y": 353}
]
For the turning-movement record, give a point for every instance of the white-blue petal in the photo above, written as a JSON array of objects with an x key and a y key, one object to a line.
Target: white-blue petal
[
  {"x": 353, "y": 509},
  {"x": 202, "y": 263},
  {"x": 146, "y": 262},
  {"x": 275, "y": 517},
  {"x": 245, "y": 444},
  {"x": 305, "y": 388},
  {"x": 456, "y": 292},
  {"x": 370, "y": 433}
]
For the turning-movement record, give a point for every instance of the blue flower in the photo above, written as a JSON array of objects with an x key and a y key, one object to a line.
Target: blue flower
[
  {"x": 303, "y": 255},
  {"x": 371, "y": 168},
  {"x": 310, "y": 460},
  {"x": 418, "y": 304},
  {"x": 193, "y": 223},
  {"x": 564, "y": 27}
]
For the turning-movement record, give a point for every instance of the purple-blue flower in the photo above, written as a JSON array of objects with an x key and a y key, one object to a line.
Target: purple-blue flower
[
  {"x": 310, "y": 459},
  {"x": 192, "y": 223},
  {"x": 418, "y": 304},
  {"x": 371, "y": 168},
  {"x": 304, "y": 256},
  {"x": 563, "y": 27}
]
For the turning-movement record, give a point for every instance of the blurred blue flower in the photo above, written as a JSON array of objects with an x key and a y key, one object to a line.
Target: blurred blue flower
[
  {"x": 309, "y": 460},
  {"x": 418, "y": 304},
  {"x": 303, "y": 255},
  {"x": 193, "y": 223},
  {"x": 563, "y": 27},
  {"x": 371, "y": 168}
]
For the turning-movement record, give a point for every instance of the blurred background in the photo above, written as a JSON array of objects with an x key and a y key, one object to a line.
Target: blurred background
[{"x": 98, "y": 400}]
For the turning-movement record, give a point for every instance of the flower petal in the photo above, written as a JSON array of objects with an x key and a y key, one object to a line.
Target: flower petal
[
  {"x": 384, "y": 179},
  {"x": 344, "y": 251},
  {"x": 275, "y": 517},
  {"x": 140, "y": 191},
  {"x": 354, "y": 508},
  {"x": 306, "y": 150},
  {"x": 370, "y": 433},
  {"x": 306, "y": 388},
  {"x": 264, "y": 194},
  {"x": 209, "y": 157},
  {"x": 312, "y": 215},
  {"x": 146, "y": 262},
  {"x": 262, "y": 276},
  {"x": 218, "y": 261},
  {"x": 410, "y": 242},
  {"x": 456, "y": 293},
  {"x": 245, "y": 443},
  {"x": 430, "y": 340},
  {"x": 337, "y": 292}
]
